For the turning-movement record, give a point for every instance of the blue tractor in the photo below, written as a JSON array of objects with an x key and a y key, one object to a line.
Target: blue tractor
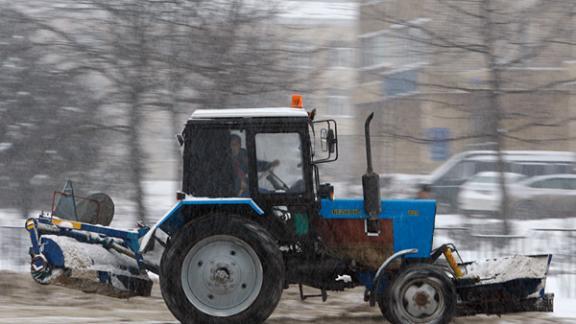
[{"x": 253, "y": 218}]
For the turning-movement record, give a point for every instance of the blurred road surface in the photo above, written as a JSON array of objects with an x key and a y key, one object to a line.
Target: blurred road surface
[{"x": 24, "y": 301}]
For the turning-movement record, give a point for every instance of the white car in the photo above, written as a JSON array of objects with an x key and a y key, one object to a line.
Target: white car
[
  {"x": 481, "y": 194},
  {"x": 544, "y": 196}
]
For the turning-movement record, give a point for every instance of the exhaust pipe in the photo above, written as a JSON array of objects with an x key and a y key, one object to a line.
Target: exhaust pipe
[{"x": 370, "y": 180}]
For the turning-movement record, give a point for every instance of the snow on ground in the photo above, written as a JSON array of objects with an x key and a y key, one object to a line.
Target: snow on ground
[
  {"x": 563, "y": 306},
  {"x": 11, "y": 218},
  {"x": 24, "y": 301}
]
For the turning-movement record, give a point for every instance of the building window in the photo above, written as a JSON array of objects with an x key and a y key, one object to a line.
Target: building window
[
  {"x": 340, "y": 57},
  {"x": 337, "y": 103},
  {"x": 371, "y": 51},
  {"x": 394, "y": 47},
  {"x": 400, "y": 83},
  {"x": 440, "y": 149}
]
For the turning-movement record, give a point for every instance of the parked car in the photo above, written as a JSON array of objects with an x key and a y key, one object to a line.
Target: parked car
[
  {"x": 482, "y": 194},
  {"x": 446, "y": 180},
  {"x": 544, "y": 196}
]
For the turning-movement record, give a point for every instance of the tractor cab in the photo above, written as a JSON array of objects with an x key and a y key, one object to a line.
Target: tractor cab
[{"x": 266, "y": 154}]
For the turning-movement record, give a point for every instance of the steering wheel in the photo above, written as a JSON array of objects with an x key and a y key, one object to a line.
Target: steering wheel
[
  {"x": 274, "y": 180},
  {"x": 264, "y": 174}
]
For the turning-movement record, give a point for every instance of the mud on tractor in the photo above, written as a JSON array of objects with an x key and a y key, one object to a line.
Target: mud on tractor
[{"x": 253, "y": 218}]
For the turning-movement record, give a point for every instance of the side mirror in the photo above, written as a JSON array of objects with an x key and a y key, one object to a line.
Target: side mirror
[
  {"x": 327, "y": 141},
  {"x": 331, "y": 140}
]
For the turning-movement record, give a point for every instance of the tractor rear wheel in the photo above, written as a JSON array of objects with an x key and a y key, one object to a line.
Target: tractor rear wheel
[
  {"x": 419, "y": 294},
  {"x": 222, "y": 269}
]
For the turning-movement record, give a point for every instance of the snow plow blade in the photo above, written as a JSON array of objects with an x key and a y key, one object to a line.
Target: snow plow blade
[
  {"x": 67, "y": 254},
  {"x": 505, "y": 285}
]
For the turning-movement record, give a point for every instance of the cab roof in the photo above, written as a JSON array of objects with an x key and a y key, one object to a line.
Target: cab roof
[{"x": 248, "y": 113}]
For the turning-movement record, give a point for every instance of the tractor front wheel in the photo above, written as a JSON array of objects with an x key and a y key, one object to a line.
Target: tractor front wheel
[
  {"x": 419, "y": 294},
  {"x": 222, "y": 269}
]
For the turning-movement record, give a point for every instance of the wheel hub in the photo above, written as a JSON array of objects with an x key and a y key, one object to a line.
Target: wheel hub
[
  {"x": 421, "y": 300},
  {"x": 221, "y": 275}
]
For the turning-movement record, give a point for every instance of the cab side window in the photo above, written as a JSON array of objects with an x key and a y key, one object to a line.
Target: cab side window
[{"x": 279, "y": 162}]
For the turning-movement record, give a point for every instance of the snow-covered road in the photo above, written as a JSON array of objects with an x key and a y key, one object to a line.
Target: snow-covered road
[{"x": 24, "y": 301}]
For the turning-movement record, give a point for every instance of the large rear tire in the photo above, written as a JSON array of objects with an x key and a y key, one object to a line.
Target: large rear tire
[
  {"x": 222, "y": 269},
  {"x": 419, "y": 294}
]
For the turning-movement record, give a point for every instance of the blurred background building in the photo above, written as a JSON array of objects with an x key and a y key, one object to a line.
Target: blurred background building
[{"x": 425, "y": 67}]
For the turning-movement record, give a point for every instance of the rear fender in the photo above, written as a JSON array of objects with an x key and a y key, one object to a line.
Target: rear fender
[{"x": 189, "y": 209}]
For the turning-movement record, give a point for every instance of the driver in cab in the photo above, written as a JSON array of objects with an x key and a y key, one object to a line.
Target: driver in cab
[{"x": 240, "y": 165}]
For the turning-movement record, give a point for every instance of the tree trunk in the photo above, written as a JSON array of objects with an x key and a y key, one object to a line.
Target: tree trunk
[
  {"x": 494, "y": 100},
  {"x": 135, "y": 157},
  {"x": 174, "y": 85}
]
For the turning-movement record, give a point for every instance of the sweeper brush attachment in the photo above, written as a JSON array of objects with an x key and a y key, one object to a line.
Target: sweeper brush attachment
[
  {"x": 84, "y": 256},
  {"x": 64, "y": 254},
  {"x": 91, "y": 268}
]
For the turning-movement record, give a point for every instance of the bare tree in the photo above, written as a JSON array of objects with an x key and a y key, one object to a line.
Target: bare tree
[
  {"x": 219, "y": 54},
  {"x": 45, "y": 117},
  {"x": 227, "y": 51},
  {"x": 153, "y": 55},
  {"x": 501, "y": 41},
  {"x": 112, "y": 44}
]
